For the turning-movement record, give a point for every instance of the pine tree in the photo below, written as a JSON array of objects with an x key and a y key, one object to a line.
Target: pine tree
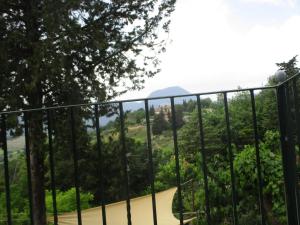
[
  {"x": 159, "y": 123},
  {"x": 178, "y": 115},
  {"x": 152, "y": 111},
  {"x": 289, "y": 67}
]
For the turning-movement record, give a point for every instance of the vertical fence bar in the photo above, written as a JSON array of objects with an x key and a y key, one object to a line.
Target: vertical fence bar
[
  {"x": 204, "y": 166},
  {"x": 297, "y": 112},
  {"x": 99, "y": 149},
  {"x": 125, "y": 161},
  {"x": 288, "y": 155},
  {"x": 291, "y": 129},
  {"x": 174, "y": 128},
  {"x": 150, "y": 162},
  {"x": 233, "y": 190},
  {"x": 27, "y": 151},
  {"x": 258, "y": 163},
  {"x": 193, "y": 196},
  {"x": 51, "y": 162},
  {"x": 297, "y": 120},
  {"x": 75, "y": 159},
  {"x": 6, "y": 170}
]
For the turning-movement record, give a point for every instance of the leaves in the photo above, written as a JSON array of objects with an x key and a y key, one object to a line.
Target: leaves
[
  {"x": 66, "y": 200},
  {"x": 56, "y": 48}
]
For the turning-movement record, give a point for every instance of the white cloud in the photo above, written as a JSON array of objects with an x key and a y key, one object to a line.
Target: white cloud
[
  {"x": 209, "y": 52},
  {"x": 276, "y": 2},
  {"x": 291, "y": 3}
]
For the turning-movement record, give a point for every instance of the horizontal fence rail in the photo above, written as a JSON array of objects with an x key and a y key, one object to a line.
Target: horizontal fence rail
[{"x": 289, "y": 125}]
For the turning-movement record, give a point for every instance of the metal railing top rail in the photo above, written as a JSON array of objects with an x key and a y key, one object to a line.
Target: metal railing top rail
[
  {"x": 288, "y": 79},
  {"x": 152, "y": 98}
]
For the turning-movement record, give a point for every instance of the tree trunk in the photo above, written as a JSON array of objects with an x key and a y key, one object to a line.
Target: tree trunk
[
  {"x": 270, "y": 215},
  {"x": 34, "y": 94},
  {"x": 36, "y": 145},
  {"x": 36, "y": 140}
]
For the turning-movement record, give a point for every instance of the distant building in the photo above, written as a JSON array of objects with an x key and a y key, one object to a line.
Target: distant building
[{"x": 166, "y": 109}]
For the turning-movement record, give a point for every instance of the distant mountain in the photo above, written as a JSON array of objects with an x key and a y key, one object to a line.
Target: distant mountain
[
  {"x": 169, "y": 91},
  {"x": 166, "y": 92}
]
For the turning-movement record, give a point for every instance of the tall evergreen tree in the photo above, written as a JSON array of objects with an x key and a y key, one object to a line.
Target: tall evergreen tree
[
  {"x": 289, "y": 67},
  {"x": 160, "y": 123},
  {"x": 152, "y": 110},
  {"x": 67, "y": 52},
  {"x": 178, "y": 114}
]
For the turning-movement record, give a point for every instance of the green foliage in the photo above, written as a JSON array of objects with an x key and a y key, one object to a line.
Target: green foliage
[
  {"x": 18, "y": 191},
  {"x": 266, "y": 108},
  {"x": 189, "y": 106},
  {"x": 160, "y": 123},
  {"x": 290, "y": 67},
  {"x": 241, "y": 119},
  {"x": 19, "y": 194},
  {"x": 137, "y": 132},
  {"x": 113, "y": 169},
  {"x": 272, "y": 175},
  {"x": 217, "y": 158},
  {"x": 78, "y": 50},
  {"x": 163, "y": 142},
  {"x": 136, "y": 117},
  {"x": 151, "y": 110},
  {"x": 66, "y": 200},
  {"x": 179, "y": 116}
]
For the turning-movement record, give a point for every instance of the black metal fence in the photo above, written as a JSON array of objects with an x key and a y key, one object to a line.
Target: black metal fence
[{"x": 289, "y": 118}]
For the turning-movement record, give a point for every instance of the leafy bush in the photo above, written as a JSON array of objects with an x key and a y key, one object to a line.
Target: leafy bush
[
  {"x": 66, "y": 200},
  {"x": 271, "y": 164}
]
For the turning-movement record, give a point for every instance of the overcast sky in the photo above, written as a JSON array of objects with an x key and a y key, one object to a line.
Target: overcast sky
[{"x": 223, "y": 44}]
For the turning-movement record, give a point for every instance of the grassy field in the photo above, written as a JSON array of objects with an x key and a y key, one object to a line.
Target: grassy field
[
  {"x": 16, "y": 143},
  {"x": 137, "y": 132},
  {"x": 163, "y": 141},
  {"x": 15, "y": 146}
]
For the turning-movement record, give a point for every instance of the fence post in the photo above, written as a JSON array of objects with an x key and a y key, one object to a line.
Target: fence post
[
  {"x": 3, "y": 145},
  {"x": 288, "y": 155}
]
